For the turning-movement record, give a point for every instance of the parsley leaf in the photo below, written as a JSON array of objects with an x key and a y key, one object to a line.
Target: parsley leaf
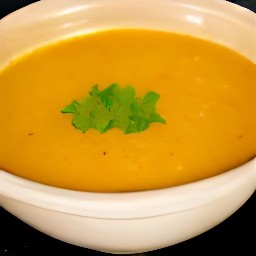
[{"x": 114, "y": 107}]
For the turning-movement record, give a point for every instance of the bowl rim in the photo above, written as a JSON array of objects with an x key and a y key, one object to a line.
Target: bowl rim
[{"x": 130, "y": 204}]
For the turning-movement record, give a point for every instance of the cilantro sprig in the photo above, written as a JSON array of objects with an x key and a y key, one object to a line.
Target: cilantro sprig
[{"x": 114, "y": 107}]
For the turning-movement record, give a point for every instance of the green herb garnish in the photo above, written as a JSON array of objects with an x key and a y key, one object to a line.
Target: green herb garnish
[{"x": 114, "y": 107}]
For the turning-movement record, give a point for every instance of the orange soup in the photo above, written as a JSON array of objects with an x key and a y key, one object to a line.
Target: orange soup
[{"x": 207, "y": 97}]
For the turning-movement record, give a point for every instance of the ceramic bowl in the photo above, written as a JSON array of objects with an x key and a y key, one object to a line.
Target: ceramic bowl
[{"x": 135, "y": 221}]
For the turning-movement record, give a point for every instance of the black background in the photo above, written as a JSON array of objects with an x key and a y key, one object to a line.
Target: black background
[{"x": 235, "y": 234}]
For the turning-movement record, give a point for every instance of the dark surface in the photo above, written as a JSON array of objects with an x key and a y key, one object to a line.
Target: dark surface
[{"x": 235, "y": 234}]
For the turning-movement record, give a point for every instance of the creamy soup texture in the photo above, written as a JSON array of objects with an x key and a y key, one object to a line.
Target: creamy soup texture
[{"x": 207, "y": 97}]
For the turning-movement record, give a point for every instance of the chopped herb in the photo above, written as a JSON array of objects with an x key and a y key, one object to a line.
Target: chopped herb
[{"x": 114, "y": 107}]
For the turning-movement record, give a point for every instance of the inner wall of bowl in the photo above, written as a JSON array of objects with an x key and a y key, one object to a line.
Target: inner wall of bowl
[{"x": 50, "y": 20}]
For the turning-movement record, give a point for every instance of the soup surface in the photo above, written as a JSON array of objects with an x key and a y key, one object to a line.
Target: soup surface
[{"x": 207, "y": 97}]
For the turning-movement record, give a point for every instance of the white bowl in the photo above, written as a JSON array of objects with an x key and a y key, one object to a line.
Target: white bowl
[{"x": 136, "y": 221}]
